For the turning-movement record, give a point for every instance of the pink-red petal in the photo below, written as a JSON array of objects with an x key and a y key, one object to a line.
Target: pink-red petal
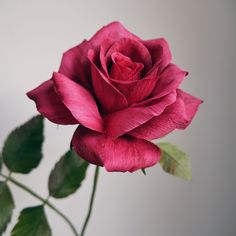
[
  {"x": 74, "y": 66},
  {"x": 133, "y": 49},
  {"x": 176, "y": 116},
  {"x": 159, "y": 51},
  {"x": 121, "y": 154},
  {"x": 74, "y": 62},
  {"x": 105, "y": 45},
  {"x": 191, "y": 105},
  {"x": 124, "y": 69},
  {"x": 110, "y": 98},
  {"x": 121, "y": 122},
  {"x": 49, "y": 104},
  {"x": 79, "y": 101},
  {"x": 169, "y": 80},
  {"x": 139, "y": 90}
]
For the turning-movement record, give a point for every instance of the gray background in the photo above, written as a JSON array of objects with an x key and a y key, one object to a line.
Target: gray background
[{"x": 202, "y": 35}]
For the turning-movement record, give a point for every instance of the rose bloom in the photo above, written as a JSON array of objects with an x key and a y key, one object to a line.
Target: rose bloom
[{"x": 123, "y": 91}]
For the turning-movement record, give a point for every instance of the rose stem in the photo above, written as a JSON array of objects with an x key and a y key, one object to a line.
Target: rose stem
[
  {"x": 95, "y": 180},
  {"x": 45, "y": 201}
]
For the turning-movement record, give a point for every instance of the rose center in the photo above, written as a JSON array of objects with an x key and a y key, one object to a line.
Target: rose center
[{"x": 123, "y": 68}]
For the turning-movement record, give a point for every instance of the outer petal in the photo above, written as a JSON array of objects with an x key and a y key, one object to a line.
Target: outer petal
[
  {"x": 74, "y": 66},
  {"x": 107, "y": 94},
  {"x": 74, "y": 62},
  {"x": 113, "y": 31},
  {"x": 121, "y": 122},
  {"x": 160, "y": 51},
  {"x": 169, "y": 80},
  {"x": 79, "y": 101},
  {"x": 178, "y": 115},
  {"x": 191, "y": 105},
  {"x": 121, "y": 154},
  {"x": 49, "y": 104}
]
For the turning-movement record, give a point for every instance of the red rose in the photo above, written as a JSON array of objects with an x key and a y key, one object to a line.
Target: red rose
[{"x": 123, "y": 91}]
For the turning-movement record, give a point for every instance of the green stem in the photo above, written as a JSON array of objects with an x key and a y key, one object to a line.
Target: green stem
[
  {"x": 45, "y": 201},
  {"x": 7, "y": 177},
  {"x": 91, "y": 201}
]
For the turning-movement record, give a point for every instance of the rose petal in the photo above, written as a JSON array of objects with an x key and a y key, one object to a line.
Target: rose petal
[
  {"x": 105, "y": 45},
  {"x": 139, "y": 90},
  {"x": 110, "y": 98},
  {"x": 85, "y": 143},
  {"x": 191, "y": 105},
  {"x": 124, "y": 69},
  {"x": 178, "y": 115},
  {"x": 114, "y": 31},
  {"x": 169, "y": 80},
  {"x": 49, "y": 104},
  {"x": 74, "y": 66},
  {"x": 121, "y": 154},
  {"x": 159, "y": 51},
  {"x": 74, "y": 62},
  {"x": 79, "y": 101},
  {"x": 121, "y": 122},
  {"x": 133, "y": 49}
]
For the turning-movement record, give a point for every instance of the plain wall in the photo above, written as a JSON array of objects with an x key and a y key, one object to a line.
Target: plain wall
[{"x": 202, "y": 35}]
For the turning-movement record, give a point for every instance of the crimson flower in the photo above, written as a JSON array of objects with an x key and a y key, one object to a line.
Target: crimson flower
[{"x": 123, "y": 91}]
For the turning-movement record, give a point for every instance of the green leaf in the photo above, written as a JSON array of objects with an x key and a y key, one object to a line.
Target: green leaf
[
  {"x": 32, "y": 222},
  {"x": 6, "y": 206},
  {"x": 175, "y": 161},
  {"x": 0, "y": 162},
  {"x": 22, "y": 150},
  {"x": 67, "y": 175}
]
